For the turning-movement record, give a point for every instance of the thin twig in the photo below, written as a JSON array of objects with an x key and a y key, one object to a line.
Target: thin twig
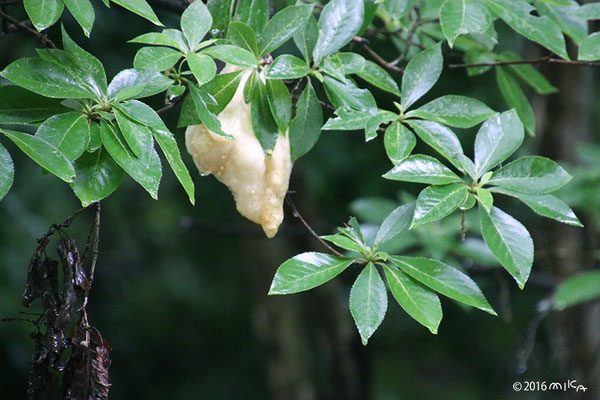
[
  {"x": 96, "y": 229},
  {"x": 380, "y": 60},
  {"x": 307, "y": 226},
  {"x": 546, "y": 59},
  {"x": 23, "y": 27}
]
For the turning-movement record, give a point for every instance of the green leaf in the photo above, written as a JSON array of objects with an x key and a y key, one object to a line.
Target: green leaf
[
  {"x": 222, "y": 88},
  {"x": 43, "y": 13},
  {"x": 374, "y": 122},
  {"x": 436, "y": 202},
  {"x": 421, "y": 73},
  {"x": 306, "y": 271},
  {"x": 353, "y": 63},
  {"x": 459, "y": 17},
  {"x": 280, "y": 103},
  {"x": 232, "y": 55},
  {"x": 141, "y": 113},
  {"x": 305, "y": 128},
  {"x": 221, "y": 13},
  {"x": 136, "y": 84},
  {"x": 202, "y": 66},
  {"x": 587, "y": 11},
  {"x": 443, "y": 279},
  {"x": 195, "y": 23},
  {"x": 515, "y": 98},
  {"x": 20, "y": 106},
  {"x": 510, "y": 242},
  {"x": 68, "y": 132},
  {"x": 372, "y": 209},
  {"x": 7, "y": 171},
  {"x": 377, "y": 77},
  {"x": 442, "y": 139},
  {"x": 97, "y": 176},
  {"x": 516, "y": 13},
  {"x": 263, "y": 123},
  {"x": 572, "y": 25},
  {"x": 528, "y": 73},
  {"x": 485, "y": 198},
  {"x": 141, "y": 8},
  {"x": 160, "y": 39},
  {"x": 497, "y": 139},
  {"x": 422, "y": 169},
  {"x": 286, "y": 66},
  {"x": 306, "y": 38},
  {"x": 344, "y": 242},
  {"x": 368, "y": 302},
  {"x": 146, "y": 174},
  {"x": 333, "y": 67},
  {"x": 578, "y": 289},
  {"x": 456, "y": 111},
  {"x": 394, "y": 224},
  {"x": 589, "y": 48},
  {"x": 348, "y": 119},
  {"x": 420, "y": 302},
  {"x": 254, "y": 13},
  {"x": 168, "y": 145},
  {"x": 43, "y": 153},
  {"x": 531, "y": 175},
  {"x": 352, "y": 230},
  {"x": 242, "y": 35},
  {"x": 208, "y": 118},
  {"x": 282, "y": 27},
  {"x": 399, "y": 141},
  {"x": 351, "y": 95},
  {"x": 46, "y": 78},
  {"x": 138, "y": 136},
  {"x": 156, "y": 58},
  {"x": 545, "y": 205},
  {"x": 83, "y": 12},
  {"x": 95, "y": 136},
  {"x": 339, "y": 22}
]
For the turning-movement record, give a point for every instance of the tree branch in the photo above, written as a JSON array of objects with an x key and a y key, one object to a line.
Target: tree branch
[
  {"x": 25, "y": 28},
  {"x": 547, "y": 59}
]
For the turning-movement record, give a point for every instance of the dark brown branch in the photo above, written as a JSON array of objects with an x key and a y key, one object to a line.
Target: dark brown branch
[
  {"x": 307, "y": 226},
  {"x": 546, "y": 59},
  {"x": 380, "y": 60},
  {"x": 26, "y": 28}
]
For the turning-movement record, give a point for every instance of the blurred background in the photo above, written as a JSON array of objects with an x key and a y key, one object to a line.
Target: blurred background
[{"x": 180, "y": 291}]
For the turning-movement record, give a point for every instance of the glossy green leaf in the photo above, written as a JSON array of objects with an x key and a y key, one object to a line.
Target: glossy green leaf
[
  {"x": 443, "y": 279},
  {"x": 347, "y": 120},
  {"x": 531, "y": 175},
  {"x": 156, "y": 58},
  {"x": 43, "y": 13},
  {"x": 497, "y": 139},
  {"x": 458, "y": 17},
  {"x": 510, "y": 242},
  {"x": 421, "y": 73},
  {"x": 545, "y": 205},
  {"x": 306, "y": 271},
  {"x": 578, "y": 289},
  {"x": 83, "y": 12},
  {"x": 442, "y": 139},
  {"x": 333, "y": 67},
  {"x": 168, "y": 145},
  {"x": 146, "y": 174},
  {"x": 20, "y": 106},
  {"x": 589, "y": 48},
  {"x": 368, "y": 302},
  {"x": 374, "y": 123},
  {"x": 587, "y": 11},
  {"x": 232, "y": 55},
  {"x": 68, "y": 132},
  {"x": 138, "y": 137},
  {"x": 422, "y": 169},
  {"x": 436, "y": 202},
  {"x": 141, "y": 113},
  {"x": 280, "y": 103},
  {"x": 306, "y": 37},
  {"x": 265, "y": 127},
  {"x": 95, "y": 136},
  {"x": 353, "y": 63},
  {"x": 254, "y": 13},
  {"x": 377, "y": 77},
  {"x": 43, "y": 153},
  {"x": 305, "y": 128},
  {"x": 399, "y": 141},
  {"x": 515, "y": 98},
  {"x": 242, "y": 35},
  {"x": 141, "y": 8},
  {"x": 160, "y": 39},
  {"x": 97, "y": 177},
  {"x": 394, "y": 224},
  {"x": 7, "y": 171},
  {"x": 206, "y": 116},
  {"x": 286, "y": 66},
  {"x": 353, "y": 231},
  {"x": 202, "y": 66},
  {"x": 561, "y": 13},
  {"x": 456, "y": 111},
  {"x": 344, "y": 242},
  {"x": 420, "y": 302},
  {"x": 485, "y": 198},
  {"x": 350, "y": 94},
  {"x": 195, "y": 23},
  {"x": 222, "y": 88},
  {"x": 528, "y": 73},
  {"x": 339, "y": 22},
  {"x": 136, "y": 84},
  {"x": 282, "y": 27}
]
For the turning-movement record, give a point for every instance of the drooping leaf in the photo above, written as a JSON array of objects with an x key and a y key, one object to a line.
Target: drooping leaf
[
  {"x": 254, "y": 13},
  {"x": 420, "y": 302},
  {"x": 435, "y": 202},
  {"x": 195, "y": 23},
  {"x": 589, "y": 48},
  {"x": 368, "y": 302},
  {"x": 339, "y": 22},
  {"x": 578, "y": 289},
  {"x": 222, "y": 88},
  {"x": 456, "y": 111},
  {"x": 97, "y": 176},
  {"x": 561, "y": 12},
  {"x": 83, "y": 12},
  {"x": 265, "y": 127},
  {"x": 421, "y": 73},
  {"x": 305, "y": 127},
  {"x": 510, "y": 242},
  {"x": 399, "y": 141},
  {"x": 306, "y": 38},
  {"x": 531, "y": 175},
  {"x": 168, "y": 145},
  {"x": 43, "y": 153},
  {"x": 397, "y": 222},
  {"x": 528, "y": 73},
  {"x": 206, "y": 116},
  {"x": 95, "y": 136},
  {"x": 137, "y": 136},
  {"x": 287, "y": 66},
  {"x": 68, "y": 132},
  {"x": 515, "y": 98},
  {"x": 458, "y": 17},
  {"x": 242, "y": 35},
  {"x": 43, "y": 13},
  {"x": 422, "y": 169},
  {"x": 306, "y": 271},
  {"x": 443, "y": 279},
  {"x": 7, "y": 171},
  {"x": 20, "y": 106},
  {"x": 221, "y": 14},
  {"x": 280, "y": 103},
  {"x": 156, "y": 58},
  {"x": 141, "y": 8},
  {"x": 282, "y": 27}
]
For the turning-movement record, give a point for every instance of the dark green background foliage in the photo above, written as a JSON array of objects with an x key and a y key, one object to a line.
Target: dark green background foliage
[{"x": 180, "y": 292}]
